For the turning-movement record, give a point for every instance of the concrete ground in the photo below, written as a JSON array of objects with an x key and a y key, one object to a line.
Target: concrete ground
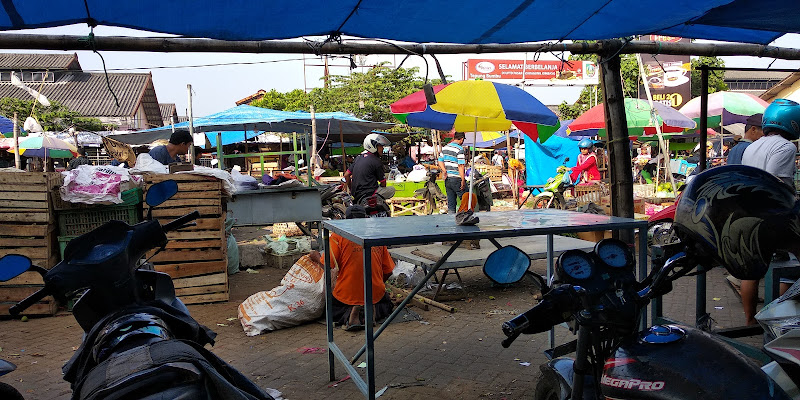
[{"x": 445, "y": 356}]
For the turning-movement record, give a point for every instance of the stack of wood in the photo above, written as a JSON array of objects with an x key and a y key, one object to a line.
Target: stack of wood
[
  {"x": 28, "y": 227},
  {"x": 195, "y": 257}
]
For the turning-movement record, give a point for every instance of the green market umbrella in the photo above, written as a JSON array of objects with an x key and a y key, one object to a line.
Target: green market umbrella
[{"x": 725, "y": 108}]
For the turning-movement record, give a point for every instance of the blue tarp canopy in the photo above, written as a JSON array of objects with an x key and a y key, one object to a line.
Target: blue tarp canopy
[
  {"x": 753, "y": 21},
  {"x": 542, "y": 159},
  {"x": 246, "y": 122}
]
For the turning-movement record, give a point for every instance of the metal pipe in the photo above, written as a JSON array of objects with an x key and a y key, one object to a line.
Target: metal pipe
[{"x": 179, "y": 45}]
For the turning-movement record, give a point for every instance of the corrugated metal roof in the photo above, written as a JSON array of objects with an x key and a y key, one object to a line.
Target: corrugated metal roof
[
  {"x": 23, "y": 61},
  {"x": 756, "y": 75},
  {"x": 88, "y": 94}
]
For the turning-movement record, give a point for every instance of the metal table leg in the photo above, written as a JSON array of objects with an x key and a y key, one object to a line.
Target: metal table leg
[{"x": 551, "y": 337}]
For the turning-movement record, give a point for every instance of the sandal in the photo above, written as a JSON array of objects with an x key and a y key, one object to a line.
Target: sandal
[{"x": 355, "y": 321}]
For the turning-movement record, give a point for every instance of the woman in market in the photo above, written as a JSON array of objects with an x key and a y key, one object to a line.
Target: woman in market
[{"x": 586, "y": 170}]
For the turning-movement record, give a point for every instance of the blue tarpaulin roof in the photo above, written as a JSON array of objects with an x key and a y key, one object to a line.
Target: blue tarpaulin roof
[
  {"x": 754, "y": 21},
  {"x": 246, "y": 122}
]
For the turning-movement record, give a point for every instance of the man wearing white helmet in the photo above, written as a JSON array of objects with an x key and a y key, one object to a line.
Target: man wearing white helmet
[{"x": 365, "y": 175}]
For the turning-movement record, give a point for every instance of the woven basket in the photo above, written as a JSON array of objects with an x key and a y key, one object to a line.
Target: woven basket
[{"x": 286, "y": 229}]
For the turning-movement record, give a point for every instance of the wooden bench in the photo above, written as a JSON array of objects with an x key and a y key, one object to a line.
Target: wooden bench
[{"x": 407, "y": 206}]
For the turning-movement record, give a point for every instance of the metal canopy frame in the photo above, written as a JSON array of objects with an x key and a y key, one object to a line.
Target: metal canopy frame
[{"x": 373, "y": 232}]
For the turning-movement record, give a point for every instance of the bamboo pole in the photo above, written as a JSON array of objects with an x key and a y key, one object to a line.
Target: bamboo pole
[
  {"x": 341, "y": 140},
  {"x": 617, "y": 128},
  {"x": 193, "y": 45},
  {"x": 191, "y": 125}
]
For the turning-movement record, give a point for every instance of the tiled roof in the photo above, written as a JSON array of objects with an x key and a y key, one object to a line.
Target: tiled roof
[
  {"x": 88, "y": 94},
  {"x": 39, "y": 62},
  {"x": 253, "y": 97},
  {"x": 167, "y": 110}
]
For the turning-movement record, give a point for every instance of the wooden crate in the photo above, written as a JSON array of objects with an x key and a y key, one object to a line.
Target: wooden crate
[
  {"x": 495, "y": 172},
  {"x": 585, "y": 194},
  {"x": 195, "y": 257},
  {"x": 28, "y": 227}
]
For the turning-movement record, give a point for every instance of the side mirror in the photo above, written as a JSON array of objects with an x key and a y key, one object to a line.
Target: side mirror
[
  {"x": 13, "y": 265},
  {"x": 161, "y": 192},
  {"x": 506, "y": 265}
]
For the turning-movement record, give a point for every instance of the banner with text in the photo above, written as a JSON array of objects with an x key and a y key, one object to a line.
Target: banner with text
[
  {"x": 549, "y": 72},
  {"x": 669, "y": 77}
]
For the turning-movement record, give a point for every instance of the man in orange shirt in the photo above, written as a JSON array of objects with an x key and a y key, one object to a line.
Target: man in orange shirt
[{"x": 348, "y": 294}]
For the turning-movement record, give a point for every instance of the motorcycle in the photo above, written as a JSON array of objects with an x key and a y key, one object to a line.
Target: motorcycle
[
  {"x": 140, "y": 341},
  {"x": 7, "y": 391},
  {"x": 376, "y": 206},
  {"x": 659, "y": 226},
  {"x": 597, "y": 295},
  {"x": 552, "y": 195},
  {"x": 431, "y": 192},
  {"x": 335, "y": 201}
]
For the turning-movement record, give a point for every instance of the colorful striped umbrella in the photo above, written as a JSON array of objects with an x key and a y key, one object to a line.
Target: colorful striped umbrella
[
  {"x": 463, "y": 105},
  {"x": 46, "y": 147},
  {"x": 638, "y": 115},
  {"x": 725, "y": 108}
]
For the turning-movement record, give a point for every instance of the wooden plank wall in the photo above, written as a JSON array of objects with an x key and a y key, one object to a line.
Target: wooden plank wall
[
  {"x": 28, "y": 227},
  {"x": 195, "y": 257}
]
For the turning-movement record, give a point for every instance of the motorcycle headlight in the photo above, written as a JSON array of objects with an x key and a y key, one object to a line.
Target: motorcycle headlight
[{"x": 779, "y": 326}]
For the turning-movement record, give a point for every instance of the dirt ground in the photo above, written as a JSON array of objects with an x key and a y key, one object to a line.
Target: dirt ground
[{"x": 445, "y": 355}]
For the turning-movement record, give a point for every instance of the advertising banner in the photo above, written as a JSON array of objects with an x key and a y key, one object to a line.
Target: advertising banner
[
  {"x": 548, "y": 72},
  {"x": 669, "y": 77}
]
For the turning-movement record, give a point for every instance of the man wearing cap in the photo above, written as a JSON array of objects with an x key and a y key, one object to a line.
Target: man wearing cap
[{"x": 752, "y": 132}]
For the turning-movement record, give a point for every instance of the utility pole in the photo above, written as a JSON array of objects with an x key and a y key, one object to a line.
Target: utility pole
[{"x": 17, "y": 160}]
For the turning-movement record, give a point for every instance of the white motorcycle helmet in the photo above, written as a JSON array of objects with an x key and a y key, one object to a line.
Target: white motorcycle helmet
[{"x": 373, "y": 140}]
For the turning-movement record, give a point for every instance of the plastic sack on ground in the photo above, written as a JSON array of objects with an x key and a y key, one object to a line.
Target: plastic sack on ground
[
  {"x": 406, "y": 274},
  {"x": 90, "y": 184},
  {"x": 283, "y": 246},
  {"x": 299, "y": 298},
  {"x": 233, "y": 247}
]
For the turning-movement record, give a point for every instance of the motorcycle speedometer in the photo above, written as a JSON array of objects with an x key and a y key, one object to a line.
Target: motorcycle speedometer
[
  {"x": 614, "y": 253},
  {"x": 575, "y": 264}
]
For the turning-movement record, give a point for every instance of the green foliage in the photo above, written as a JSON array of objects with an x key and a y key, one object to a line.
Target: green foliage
[
  {"x": 716, "y": 82},
  {"x": 54, "y": 118},
  {"x": 366, "y": 95}
]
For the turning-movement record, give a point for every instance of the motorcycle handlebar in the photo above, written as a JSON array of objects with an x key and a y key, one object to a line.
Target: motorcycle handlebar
[
  {"x": 550, "y": 311},
  {"x": 173, "y": 225},
  {"x": 34, "y": 298}
]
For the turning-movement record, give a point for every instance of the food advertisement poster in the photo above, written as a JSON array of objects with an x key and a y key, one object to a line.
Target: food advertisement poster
[
  {"x": 549, "y": 72},
  {"x": 669, "y": 77}
]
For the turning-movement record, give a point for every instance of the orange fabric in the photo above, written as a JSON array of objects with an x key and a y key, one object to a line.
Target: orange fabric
[
  {"x": 349, "y": 256},
  {"x": 465, "y": 202}
]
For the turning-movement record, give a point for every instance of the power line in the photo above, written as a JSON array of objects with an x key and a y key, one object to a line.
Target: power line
[{"x": 198, "y": 65}]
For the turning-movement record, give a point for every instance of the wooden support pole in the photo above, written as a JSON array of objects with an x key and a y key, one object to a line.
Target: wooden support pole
[
  {"x": 617, "y": 130},
  {"x": 17, "y": 160},
  {"x": 341, "y": 141},
  {"x": 703, "y": 116}
]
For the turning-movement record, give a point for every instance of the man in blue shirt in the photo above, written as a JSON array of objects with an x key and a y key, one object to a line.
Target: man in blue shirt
[
  {"x": 178, "y": 145},
  {"x": 453, "y": 162},
  {"x": 752, "y": 132}
]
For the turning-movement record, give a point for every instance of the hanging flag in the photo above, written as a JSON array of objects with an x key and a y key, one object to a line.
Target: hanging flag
[
  {"x": 36, "y": 95},
  {"x": 119, "y": 151}
]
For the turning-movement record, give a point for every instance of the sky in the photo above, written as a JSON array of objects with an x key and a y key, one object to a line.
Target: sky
[{"x": 218, "y": 80}]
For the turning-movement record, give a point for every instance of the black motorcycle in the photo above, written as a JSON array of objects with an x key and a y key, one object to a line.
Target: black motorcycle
[
  {"x": 597, "y": 295},
  {"x": 7, "y": 391},
  {"x": 140, "y": 341},
  {"x": 335, "y": 201}
]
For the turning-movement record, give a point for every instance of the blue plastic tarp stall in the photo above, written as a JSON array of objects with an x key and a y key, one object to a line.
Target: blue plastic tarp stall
[{"x": 542, "y": 159}]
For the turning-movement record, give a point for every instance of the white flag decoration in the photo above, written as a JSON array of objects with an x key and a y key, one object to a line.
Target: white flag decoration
[{"x": 38, "y": 96}]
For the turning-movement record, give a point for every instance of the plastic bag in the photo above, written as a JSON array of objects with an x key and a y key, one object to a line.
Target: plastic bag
[
  {"x": 90, "y": 184},
  {"x": 299, "y": 298},
  {"x": 233, "y": 247},
  {"x": 406, "y": 274},
  {"x": 287, "y": 246},
  {"x": 243, "y": 182},
  {"x": 417, "y": 175},
  {"x": 145, "y": 163}
]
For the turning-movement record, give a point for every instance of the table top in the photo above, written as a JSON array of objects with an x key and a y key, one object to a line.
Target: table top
[
  {"x": 496, "y": 224},
  {"x": 534, "y": 246}
]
